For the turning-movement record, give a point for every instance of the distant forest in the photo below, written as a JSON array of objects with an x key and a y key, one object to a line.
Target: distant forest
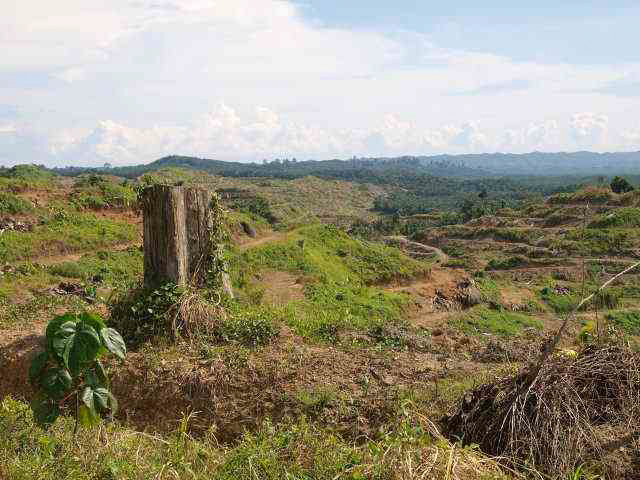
[{"x": 423, "y": 183}]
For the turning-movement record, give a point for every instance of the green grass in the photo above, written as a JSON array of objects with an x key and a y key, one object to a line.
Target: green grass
[
  {"x": 628, "y": 217},
  {"x": 498, "y": 322},
  {"x": 332, "y": 255},
  {"x": 96, "y": 192},
  {"x": 627, "y": 320},
  {"x": 33, "y": 309},
  {"x": 12, "y": 204},
  {"x": 340, "y": 275},
  {"x": 600, "y": 241},
  {"x": 111, "y": 268},
  {"x": 507, "y": 263},
  {"x": 517, "y": 235},
  {"x": 489, "y": 289},
  {"x": 26, "y": 177},
  {"x": 559, "y": 303},
  {"x": 65, "y": 232},
  {"x": 294, "y": 451}
]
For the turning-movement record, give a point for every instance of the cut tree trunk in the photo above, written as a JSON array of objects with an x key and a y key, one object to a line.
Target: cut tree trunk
[{"x": 178, "y": 229}]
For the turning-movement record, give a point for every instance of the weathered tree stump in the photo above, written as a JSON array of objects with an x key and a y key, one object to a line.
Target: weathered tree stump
[{"x": 179, "y": 233}]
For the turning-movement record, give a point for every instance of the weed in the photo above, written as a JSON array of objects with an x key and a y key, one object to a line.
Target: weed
[{"x": 499, "y": 322}]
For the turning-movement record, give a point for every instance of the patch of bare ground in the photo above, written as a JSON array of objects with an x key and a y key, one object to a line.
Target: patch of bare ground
[
  {"x": 17, "y": 346},
  {"x": 355, "y": 392},
  {"x": 248, "y": 242},
  {"x": 281, "y": 288}
]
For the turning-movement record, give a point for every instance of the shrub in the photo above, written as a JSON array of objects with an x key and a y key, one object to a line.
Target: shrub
[
  {"x": 507, "y": 263},
  {"x": 96, "y": 192},
  {"x": 620, "y": 185},
  {"x": 607, "y": 299},
  {"x": 173, "y": 311},
  {"x": 559, "y": 303},
  {"x": 257, "y": 206},
  {"x": 70, "y": 367}
]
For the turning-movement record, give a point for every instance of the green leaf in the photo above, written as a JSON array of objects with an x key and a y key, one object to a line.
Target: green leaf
[
  {"x": 91, "y": 379},
  {"x": 87, "y": 398},
  {"x": 92, "y": 319},
  {"x": 56, "y": 322},
  {"x": 114, "y": 342},
  {"x": 45, "y": 411},
  {"x": 38, "y": 364},
  {"x": 87, "y": 417},
  {"x": 99, "y": 398},
  {"x": 78, "y": 344},
  {"x": 52, "y": 329},
  {"x": 56, "y": 382},
  {"x": 101, "y": 373},
  {"x": 59, "y": 340}
]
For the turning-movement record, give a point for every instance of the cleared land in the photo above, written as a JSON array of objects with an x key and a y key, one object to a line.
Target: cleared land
[{"x": 341, "y": 353}]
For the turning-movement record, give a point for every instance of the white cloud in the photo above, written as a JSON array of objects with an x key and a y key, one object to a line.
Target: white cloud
[
  {"x": 631, "y": 138},
  {"x": 71, "y": 75},
  {"x": 589, "y": 129},
  {"x": 7, "y": 129},
  {"x": 229, "y": 133},
  {"x": 536, "y": 135},
  {"x": 275, "y": 83}
]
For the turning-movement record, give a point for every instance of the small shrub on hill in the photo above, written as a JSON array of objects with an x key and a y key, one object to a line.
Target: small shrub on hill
[
  {"x": 69, "y": 366},
  {"x": 592, "y": 195},
  {"x": 599, "y": 241},
  {"x": 559, "y": 302},
  {"x": 621, "y": 185},
  {"x": 257, "y": 206}
]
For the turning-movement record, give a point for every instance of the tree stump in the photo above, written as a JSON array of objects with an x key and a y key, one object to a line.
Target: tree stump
[{"x": 178, "y": 236}]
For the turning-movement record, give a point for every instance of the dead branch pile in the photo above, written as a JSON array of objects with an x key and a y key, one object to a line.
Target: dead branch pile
[{"x": 562, "y": 419}]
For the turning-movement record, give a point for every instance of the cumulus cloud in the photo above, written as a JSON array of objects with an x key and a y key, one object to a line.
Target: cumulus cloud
[
  {"x": 7, "y": 128},
  {"x": 589, "y": 129},
  {"x": 536, "y": 135},
  {"x": 230, "y": 133},
  {"x": 631, "y": 138}
]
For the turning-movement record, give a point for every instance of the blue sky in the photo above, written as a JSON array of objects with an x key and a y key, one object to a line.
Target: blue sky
[
  {"x": 85, "y": 82},
  {"x": 562, "y": 31}
]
